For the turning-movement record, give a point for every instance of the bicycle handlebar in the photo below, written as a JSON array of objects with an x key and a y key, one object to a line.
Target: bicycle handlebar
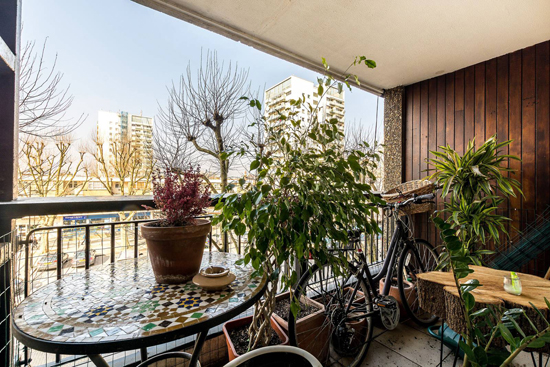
[{"x": 415, "y": 199}]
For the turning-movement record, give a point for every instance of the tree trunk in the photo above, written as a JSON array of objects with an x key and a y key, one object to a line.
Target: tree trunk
[
  {"x": 224, "y": 171},
  {"x": 259, "y": 330}
]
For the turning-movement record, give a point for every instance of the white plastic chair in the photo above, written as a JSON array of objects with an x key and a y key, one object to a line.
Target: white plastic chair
[{"x": 276, "y": 356}]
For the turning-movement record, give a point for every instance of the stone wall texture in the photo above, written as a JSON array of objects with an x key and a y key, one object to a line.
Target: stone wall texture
[{"x": 393, "y": 137}]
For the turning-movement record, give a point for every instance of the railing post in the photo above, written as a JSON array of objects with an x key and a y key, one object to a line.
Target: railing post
[
  {"x": 136, "y": 252},
  {"x": 27, "y": 262},
  {"x": 59, "y": 253},
  {"x": 113, "y": 243},
  {"x": 87, "y": 247},
  {"x": 210, "y": 240}
]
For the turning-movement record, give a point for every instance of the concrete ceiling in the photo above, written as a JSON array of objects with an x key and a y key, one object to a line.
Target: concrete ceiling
[{"x": 409, "y": 40}]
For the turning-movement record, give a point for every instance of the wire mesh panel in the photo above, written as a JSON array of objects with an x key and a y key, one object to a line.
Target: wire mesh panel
[{"x": 6, "y": 296}]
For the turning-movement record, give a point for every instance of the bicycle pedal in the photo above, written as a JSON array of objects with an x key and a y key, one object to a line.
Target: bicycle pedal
[{"x": 384, "y": 303}]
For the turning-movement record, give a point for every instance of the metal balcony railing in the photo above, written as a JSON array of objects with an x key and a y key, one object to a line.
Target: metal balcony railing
[{"x": 45, "y": 254}]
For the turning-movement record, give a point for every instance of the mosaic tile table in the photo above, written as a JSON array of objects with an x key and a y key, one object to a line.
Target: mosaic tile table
[{"x": 120, "y": 307}]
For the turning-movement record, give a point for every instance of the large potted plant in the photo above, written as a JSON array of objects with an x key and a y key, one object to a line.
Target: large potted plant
[
  {"x": 306, "y": 194},
  {"x": 176, "y": 242}
]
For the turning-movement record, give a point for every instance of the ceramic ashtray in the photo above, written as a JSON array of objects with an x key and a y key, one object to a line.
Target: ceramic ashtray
[
  {"x": 214, "y": 278},
  {"x": 214, "y": 271}
]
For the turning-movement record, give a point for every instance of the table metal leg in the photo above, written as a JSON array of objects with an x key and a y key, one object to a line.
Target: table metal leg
[
  {"x": 143, "y": 352},
  {"x": 98, "y": 360},
  {"x": 201, "y": 338}
]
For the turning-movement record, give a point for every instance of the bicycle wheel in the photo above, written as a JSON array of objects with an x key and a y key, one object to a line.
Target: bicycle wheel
[
  {"x": 339, "y": 334},
  {"x": 418, "y": 257}
]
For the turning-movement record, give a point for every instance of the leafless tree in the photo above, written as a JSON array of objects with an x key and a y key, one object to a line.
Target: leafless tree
[
  {"x": 205, "y": 109},
  {"x": 47, "y": 168},
  {"x": 126, "y": 171},
  {"x": 43, "y": 100},
  {"x": 171, "y": 150},
  {"x": 126, "y": 166},
  {"x": 358, "y": 137}
]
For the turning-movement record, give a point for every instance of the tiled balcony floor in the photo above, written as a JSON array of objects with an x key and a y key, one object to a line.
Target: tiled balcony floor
[
  {"x": 407, "y": 346},
  {"x": 411, "y": 346}
]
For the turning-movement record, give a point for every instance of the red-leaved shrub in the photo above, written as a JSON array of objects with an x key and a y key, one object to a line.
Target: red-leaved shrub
[{"x": 180, "y": 196}]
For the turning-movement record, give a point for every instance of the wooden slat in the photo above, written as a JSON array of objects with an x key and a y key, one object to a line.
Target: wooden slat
[
  {"x": 528, "y": 137},
  {"x": 416, "y": 132},
  {"x": 459, "y": 111},
  {"x": 433, "y": 133},
  {"x": 407, "y": 160},
  {"x": 543, "y": 133},
  {"x": 490, "y": 98},
  {"x": 502, "y": 117},
  {"x": 479, "y": 106},
  {"x": 450, "y": 109},
  {"x": 424, "y": 143},
  {"x": 469, "y": 105},
  {"x": 514, "y": 131},
  {"x": 542, "y": 124},
  {"x": 424, "y": 126}
]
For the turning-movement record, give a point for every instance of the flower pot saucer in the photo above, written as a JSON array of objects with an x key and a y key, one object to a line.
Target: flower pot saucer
[{"x": 210, "y": 283}]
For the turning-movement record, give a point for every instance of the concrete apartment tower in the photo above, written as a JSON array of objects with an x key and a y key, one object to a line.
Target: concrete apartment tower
[
  {"x": 116, "y": 126},
  {"x": 277, "y": 98}
]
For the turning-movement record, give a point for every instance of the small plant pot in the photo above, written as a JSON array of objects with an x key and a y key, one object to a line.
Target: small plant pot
[
  {"x": 176, "y": 252},
  {"x": 410, "y": 293},
  {"x": 237, "y": 323},
  {"x": 311, "y": 340}
]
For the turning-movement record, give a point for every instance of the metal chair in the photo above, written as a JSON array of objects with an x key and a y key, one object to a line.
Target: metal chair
[{"x": 276, "y": 356}]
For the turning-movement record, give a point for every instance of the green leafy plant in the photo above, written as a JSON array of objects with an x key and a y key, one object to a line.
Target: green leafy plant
[
  {"x": 474, "y": 185},
  {"x": 306, "y": 196},
  {"x": 485, "y": 325}
]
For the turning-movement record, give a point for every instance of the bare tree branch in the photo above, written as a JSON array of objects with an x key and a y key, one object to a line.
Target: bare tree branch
[
  {"x": 43, "y": 101},
  {"x": 206, "y": 109}
]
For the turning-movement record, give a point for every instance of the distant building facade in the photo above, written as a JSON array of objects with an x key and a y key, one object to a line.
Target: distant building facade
[
  {"x": 277, "y": 101},
  {"x": 120, "y": 126}
]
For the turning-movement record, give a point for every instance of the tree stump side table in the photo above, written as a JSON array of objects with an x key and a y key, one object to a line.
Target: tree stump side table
[{"x": 437, "y": 294}]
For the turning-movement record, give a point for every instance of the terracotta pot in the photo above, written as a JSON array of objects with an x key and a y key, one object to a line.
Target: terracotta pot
[
  {"x": 234, "y": 324},
  {"x": 176, "y": 252},
  {"x": 410, "y": 293},
  {"x": 312, "y": 339}
]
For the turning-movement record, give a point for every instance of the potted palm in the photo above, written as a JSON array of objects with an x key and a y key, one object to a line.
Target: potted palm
[{"x": 176, "y": 242}]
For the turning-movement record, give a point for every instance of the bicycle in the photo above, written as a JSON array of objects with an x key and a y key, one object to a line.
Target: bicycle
[{"x": 351, "y": 300}]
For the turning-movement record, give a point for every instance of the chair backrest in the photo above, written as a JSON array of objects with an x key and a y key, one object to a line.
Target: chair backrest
[{"x": 276, "y": 356}]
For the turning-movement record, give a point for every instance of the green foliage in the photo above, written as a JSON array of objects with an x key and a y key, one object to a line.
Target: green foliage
[
  {"x": 472, "y": 183},
  {"x": 306, "y": 196},
  {"x": 488, "y": 323},
  {"x": 478, "y": 172}
]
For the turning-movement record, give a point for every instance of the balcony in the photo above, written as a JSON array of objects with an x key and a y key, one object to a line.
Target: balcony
[
  {"x": 93, "y": 236},
  {"x": 470, "y": 70}
]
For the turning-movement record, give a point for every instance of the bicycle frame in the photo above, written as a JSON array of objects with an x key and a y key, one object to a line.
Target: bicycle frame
[{"x": 388, "y": 267}]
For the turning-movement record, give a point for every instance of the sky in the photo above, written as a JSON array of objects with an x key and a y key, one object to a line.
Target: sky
[{"x": 117, "y": 55}]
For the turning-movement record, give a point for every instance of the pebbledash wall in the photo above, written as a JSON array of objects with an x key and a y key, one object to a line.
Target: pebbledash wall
[{"x": 508, "y": 96}]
